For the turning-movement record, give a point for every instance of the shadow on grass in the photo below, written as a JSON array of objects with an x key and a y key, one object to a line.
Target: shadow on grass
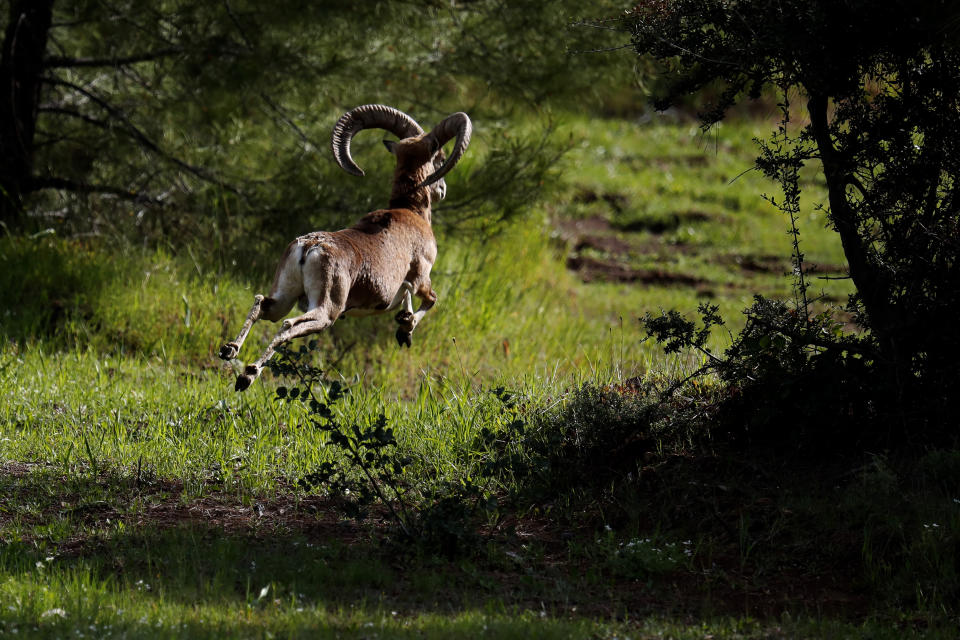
[
  {"x": 147, "y": 537},
  {"x": 141, "y": 555}
]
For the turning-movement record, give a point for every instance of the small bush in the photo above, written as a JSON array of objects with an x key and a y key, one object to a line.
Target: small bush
[
  {"x": 599, "y": 436},
  {"x": 597, "y": 443},
  {"x": 370, "y": 470},
  {"x": 792, "y": 382}
]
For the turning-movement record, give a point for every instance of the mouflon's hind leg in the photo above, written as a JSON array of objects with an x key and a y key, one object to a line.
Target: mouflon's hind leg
[
  {"x": 272, "y": 307},
  {"x": 333, "y": 286},
  {"x": 304, "y": 325},
  {"x": 230, "y": 350},
  {"x": 287, "y": 289}
]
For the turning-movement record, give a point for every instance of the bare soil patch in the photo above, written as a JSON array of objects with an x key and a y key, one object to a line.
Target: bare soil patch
[
  {"x": 595, "y": 270},
  {"x": 662, "y": 224},
  {"x": 776, "y": 264},
  {"x": 759, "y": 263},
  {"x": 617, "y": 201},
  {"x": 606, "y": 244}
]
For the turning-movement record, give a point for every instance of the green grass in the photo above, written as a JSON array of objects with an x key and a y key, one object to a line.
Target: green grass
[{"x": 141, "y": 497}]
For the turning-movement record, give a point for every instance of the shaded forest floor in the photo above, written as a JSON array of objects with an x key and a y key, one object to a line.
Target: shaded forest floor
[
  {"x": 776, "y": 554},
  {"x": 532, "y": 563}
]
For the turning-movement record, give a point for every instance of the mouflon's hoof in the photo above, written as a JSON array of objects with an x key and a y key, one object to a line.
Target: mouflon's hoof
[
  {"x": 404, "y": 318},
  {"x": 403, "y": 338},
  {"x": 243, "y": 382},
  {"x": 229, "y": 351},
  {"x": 250, "y": 374}
]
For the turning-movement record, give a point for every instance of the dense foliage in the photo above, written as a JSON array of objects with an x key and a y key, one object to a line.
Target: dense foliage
[
  {"x": 183, "y": 117},
  {"x": 880, "y": 88}
]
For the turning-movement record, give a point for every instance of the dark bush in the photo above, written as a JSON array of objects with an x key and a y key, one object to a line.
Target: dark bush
[{"x": 880, "y": 95}]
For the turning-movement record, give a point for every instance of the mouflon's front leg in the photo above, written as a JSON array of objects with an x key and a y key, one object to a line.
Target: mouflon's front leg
[
  {"x": 230, "y": 350},
  {"x": 408, "y": 320}
]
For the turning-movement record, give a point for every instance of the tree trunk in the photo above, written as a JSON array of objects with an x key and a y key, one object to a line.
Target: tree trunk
[
  {"x": 886, "y": 322},
  {"x": 21, "y": 70}
]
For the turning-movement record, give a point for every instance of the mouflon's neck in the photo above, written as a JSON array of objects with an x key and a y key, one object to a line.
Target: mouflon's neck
[{"x": 406, "y": 194}]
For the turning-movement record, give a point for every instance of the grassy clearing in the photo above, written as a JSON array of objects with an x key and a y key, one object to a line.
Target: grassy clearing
[
  {"x": 113, "y": 556},
  {"x": 143, "y": 497},
  {"x": 113, "y": 361}
]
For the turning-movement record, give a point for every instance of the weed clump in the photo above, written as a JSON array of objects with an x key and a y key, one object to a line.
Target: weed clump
[
  {"x": 369, "y": 469},
  {"x": 593, "y": 448}
]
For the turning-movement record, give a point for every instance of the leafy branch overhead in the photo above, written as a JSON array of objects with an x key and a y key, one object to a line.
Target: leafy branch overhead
[{"x": 158, "y": 105}]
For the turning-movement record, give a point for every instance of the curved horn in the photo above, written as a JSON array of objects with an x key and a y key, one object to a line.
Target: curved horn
[
  {"x": 457, "y": 124},
  {"x": 368, "y": 116}
]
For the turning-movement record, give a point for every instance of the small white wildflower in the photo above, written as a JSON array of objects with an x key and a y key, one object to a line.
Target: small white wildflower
[{"x": 57, "y": 611}]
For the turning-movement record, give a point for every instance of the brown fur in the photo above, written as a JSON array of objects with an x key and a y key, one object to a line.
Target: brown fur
[{"x": 370, "y": 268}]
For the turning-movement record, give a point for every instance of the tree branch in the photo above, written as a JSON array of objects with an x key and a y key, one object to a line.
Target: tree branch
[
  {"x": 141, "y": 138},
  {"x": 65, "y": 184},
  {"x": 59, "y": 62},
  {"x": 870, "y": 282},
  {"x": 103, "y": 124}
]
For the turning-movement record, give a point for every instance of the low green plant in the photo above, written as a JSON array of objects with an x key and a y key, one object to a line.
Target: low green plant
[
  {"x": 642, "y": 557},
  {"x": 584, "y": 458},
  {"x": 370, "y": 469}
]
